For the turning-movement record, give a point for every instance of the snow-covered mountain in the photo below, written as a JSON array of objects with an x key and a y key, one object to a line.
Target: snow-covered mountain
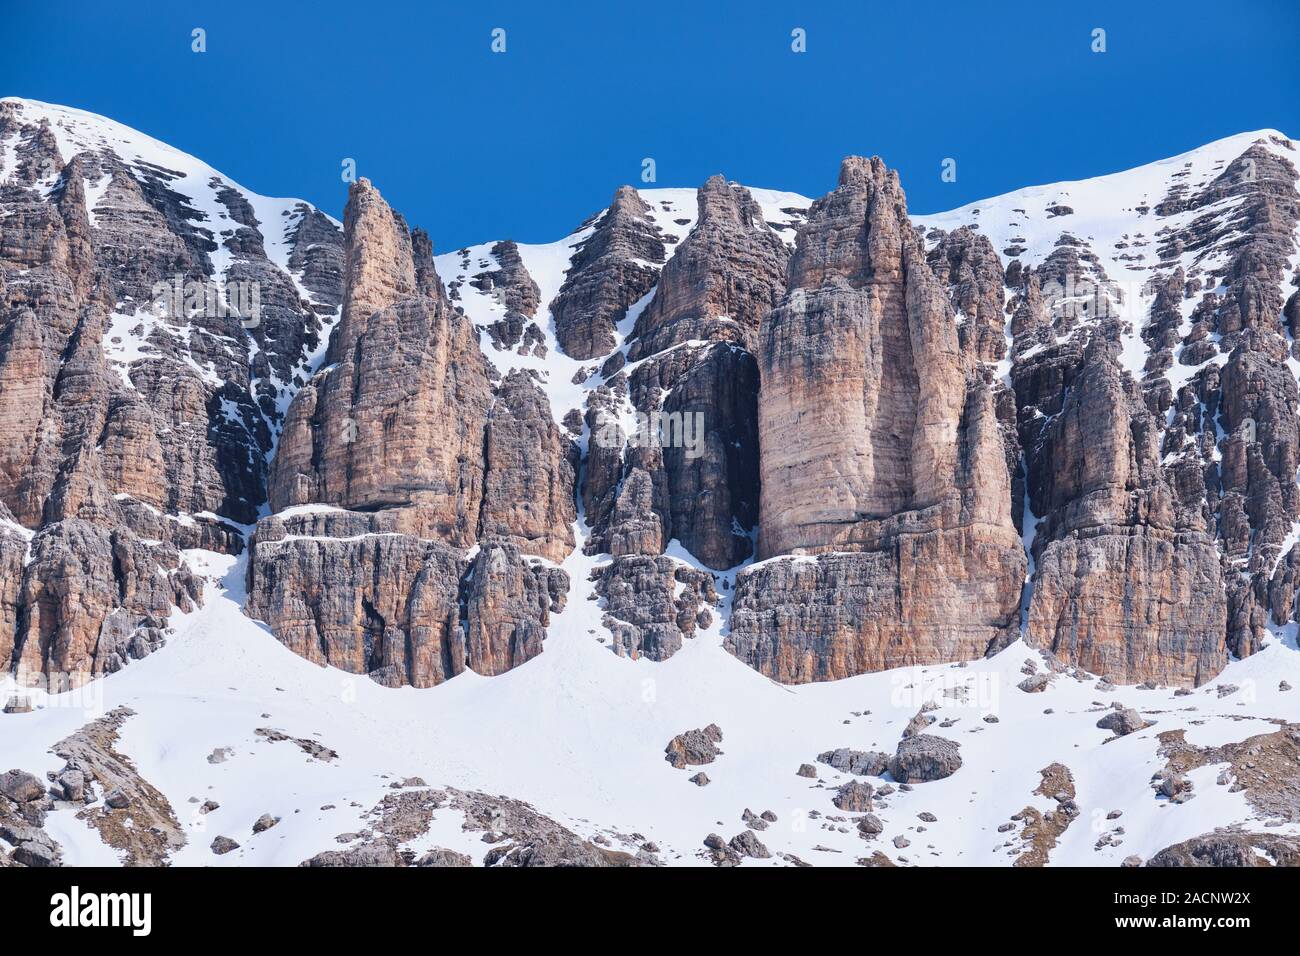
[{"x": 406, "y": 568}]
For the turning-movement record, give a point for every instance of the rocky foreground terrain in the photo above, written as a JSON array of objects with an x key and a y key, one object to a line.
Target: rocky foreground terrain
[{"x": 733, "y": 528}]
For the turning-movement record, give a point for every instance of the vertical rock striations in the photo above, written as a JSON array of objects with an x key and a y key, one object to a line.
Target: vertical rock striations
[
  {"x": 690, "y": 471},
  {"x": 689, "y": 468},
  {"x": 138, "y": 394},
  {"x": 396, "y": 461},
  {"x": 613, "y": 268},
  {"x": 883, "y": 466}
]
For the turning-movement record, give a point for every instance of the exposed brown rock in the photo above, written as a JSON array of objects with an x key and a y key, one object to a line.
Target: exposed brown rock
[
  {"x": 1041, "y": 831},
  {"x": 1231, "y": 848},
  {"x": 966, "y": 262},
  {"x": 528, "y": 496},
  {"x": 1120, "y": 588},
  {"x": 880, "y": 439},
  {"x": 134, "y": 818},
  {"x": 694, "y": 747},
  {"x": 342, "y": 588},
  {"x": 123, "y": 415},
  {"x": 606, "y": 276},
  {"x": 407, "y": 431},
  {"x": 723, "y": 279}
]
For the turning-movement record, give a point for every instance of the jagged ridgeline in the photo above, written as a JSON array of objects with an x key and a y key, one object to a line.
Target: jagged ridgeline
[{"x": 865, "y": 439}]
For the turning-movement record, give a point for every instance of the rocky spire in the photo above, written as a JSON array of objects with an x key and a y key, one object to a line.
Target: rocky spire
[
  {"x": 879, "y": 442},
  {"x": 427, "y": 457},
  {"x": 611, "y": 270}
]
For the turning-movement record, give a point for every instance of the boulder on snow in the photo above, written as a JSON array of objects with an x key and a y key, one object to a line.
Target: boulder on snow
[
  {"x": 694, "y": 747},
  {"x": 925, "y": 757},
  {"x": 1122, "y": 721},
  {"x": 21, "y": 787},
  {"x": 860, "y": 763},
  {"x": 853, "y": 797},
  {"x": 222, "y": 845}
]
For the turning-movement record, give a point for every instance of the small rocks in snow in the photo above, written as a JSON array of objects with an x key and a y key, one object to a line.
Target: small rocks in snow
[
  {"x": 860, "y": 763},
  {"x": 221, "y": 755},
  {"x": 1173, "y": 785},
  {"x": 264, "y": 822},
  {"x": 927, "y": 816},
  {"x": 223, "y": 845},
  {"x": 18, "y": 705},
  {"x": 901, "y": 842},
  {"x": 870, "y": 825},
  {"x": 920, "y": 722},
  {"x": 1225, "y": 689},
  {"x": 72, "y": 785},
  {"x": 1133, "y": 860},
  {"x": 1283, "y": 686},
  {"x": 701, "y": 779},
  {"x": 746, "y": 843},
  {"x": 807, "y": 770}
]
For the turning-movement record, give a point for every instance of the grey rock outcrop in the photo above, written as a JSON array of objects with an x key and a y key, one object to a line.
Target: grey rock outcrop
[
  {"x": 653, "y": 603},
  {"x": 925, "y": 757}
]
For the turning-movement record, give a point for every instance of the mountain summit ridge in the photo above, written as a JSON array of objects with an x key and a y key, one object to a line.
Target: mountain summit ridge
[{"x": 712, "y": 437}]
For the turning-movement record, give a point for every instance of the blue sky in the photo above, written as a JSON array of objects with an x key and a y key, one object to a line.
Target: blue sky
[{"x": 474, "y": 145}]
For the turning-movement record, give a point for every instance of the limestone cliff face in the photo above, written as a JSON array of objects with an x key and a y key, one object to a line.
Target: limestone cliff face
[
  {"x": 723, "y": 279},
  {"x": 607, "y": 275},
  {"x": 968, "y": 265},
  {"x": 1161, "y": 489},
  {"x": 880, "y": 442},
  {"x": 373, "y": 429},
  {"x": 1122, "y": 588},
  {"x": 512, "y": 286},
  {"x": 343, "y": 588},
  {"x": 400, "y": 456},
  {"x": 530, "y": 468},
  {"x": 694, "y": 380},
  {"x": 885, "y": 418},
  {"x": 132, "y": 424}
]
